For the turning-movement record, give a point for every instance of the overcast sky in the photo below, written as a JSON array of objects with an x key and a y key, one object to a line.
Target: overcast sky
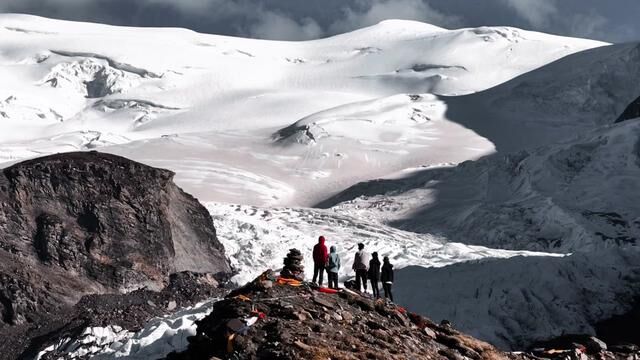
[{"x": 609, "y": 20}]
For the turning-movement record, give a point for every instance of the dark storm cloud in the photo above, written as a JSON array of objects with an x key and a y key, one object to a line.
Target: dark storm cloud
[{"x": 610, "y": 20}]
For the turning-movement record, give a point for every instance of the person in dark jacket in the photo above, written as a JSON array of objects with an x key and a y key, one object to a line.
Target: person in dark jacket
[
  {"x": 386, "y": 276},
  {"x": 360, "y": 266},
  {"x": 320, "y": 257},
  {"x": 333, "y": 267},
  {"x": 374, "y": 274}
]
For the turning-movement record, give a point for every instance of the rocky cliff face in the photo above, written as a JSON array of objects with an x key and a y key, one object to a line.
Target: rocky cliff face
[{"x": 80, "y": 223}]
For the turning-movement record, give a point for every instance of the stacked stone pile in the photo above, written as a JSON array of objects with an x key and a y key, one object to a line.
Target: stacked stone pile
[{"x": 293, "y": 268}]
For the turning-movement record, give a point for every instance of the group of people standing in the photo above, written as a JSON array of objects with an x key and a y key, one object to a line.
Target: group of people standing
[{"x": 364, "y": 268}]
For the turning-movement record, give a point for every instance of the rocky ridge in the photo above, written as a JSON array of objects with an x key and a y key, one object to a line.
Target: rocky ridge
[{"x": 276, "y": 318}]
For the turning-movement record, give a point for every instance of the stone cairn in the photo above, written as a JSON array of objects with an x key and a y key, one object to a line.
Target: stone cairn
[{"x": 293, "y": 268}]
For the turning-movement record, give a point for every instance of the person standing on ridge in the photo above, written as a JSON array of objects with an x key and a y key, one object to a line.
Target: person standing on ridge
[
  {"x": 333, "y": 268},
  {"x": 386, "y": 276},
  {"x": 360, "y": 266},
  {"x": 374, "y": 274},
  {"x": 320, "y": 257}
]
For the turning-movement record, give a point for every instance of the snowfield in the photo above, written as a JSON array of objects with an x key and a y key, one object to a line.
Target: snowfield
[
  {"x": 259, "y": 238},
  {"x": 506, "y": 196},
  {"x": 218, "y": 101}
]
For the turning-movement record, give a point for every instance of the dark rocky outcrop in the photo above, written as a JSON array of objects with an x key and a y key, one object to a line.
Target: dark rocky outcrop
[
  {"x": 84, "y": 223},
  {"x": 631, "y": 112},
  {"x": 300, "y": 322},
  {"x": 622, "y": 329},
  {"x": 270, "y": 318}
]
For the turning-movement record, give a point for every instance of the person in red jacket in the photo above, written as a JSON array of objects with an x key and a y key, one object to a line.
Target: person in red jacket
[{"x": 320, "y": 258}]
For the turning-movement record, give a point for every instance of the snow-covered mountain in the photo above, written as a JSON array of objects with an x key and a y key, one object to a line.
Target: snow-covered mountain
[
  {"x": 490, "y": 142},
  {"x": 184, "y": 101}
]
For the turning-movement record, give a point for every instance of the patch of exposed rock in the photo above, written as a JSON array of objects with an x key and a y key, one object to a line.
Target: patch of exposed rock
[
  {"x": 622, "y": 329},
  {"x": 631, "y": 112},
  {"x": 85, "y": 223}
]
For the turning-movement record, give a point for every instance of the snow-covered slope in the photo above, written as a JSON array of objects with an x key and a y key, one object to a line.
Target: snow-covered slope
[
  {"x": 580, "y": 195},
  {"x": 69, "y": 86},
  {"x": 259, "y": 238},
  {"x": 514, "y": 302},
  {"x": 572, "y": 95},
  {"x": 577, "y": 196}
]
